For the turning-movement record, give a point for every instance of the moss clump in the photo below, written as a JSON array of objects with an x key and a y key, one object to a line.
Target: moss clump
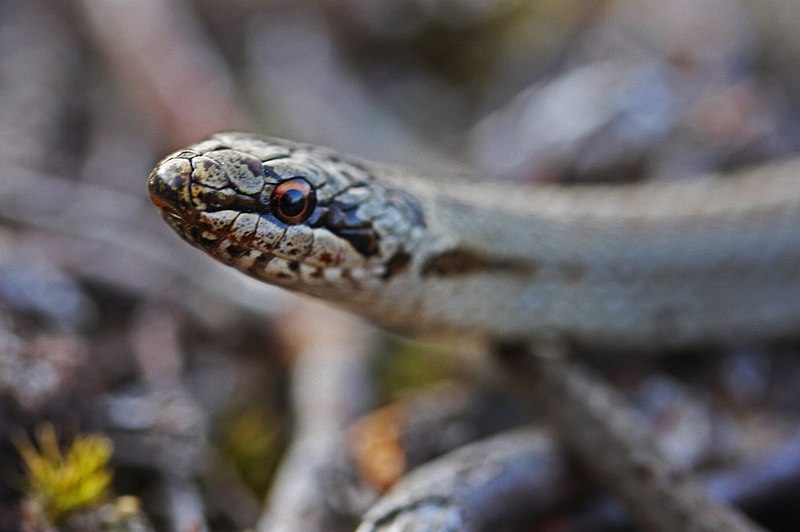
[
  {"x": 60, "y": 483},
  {"x": 253, "y": 440}
]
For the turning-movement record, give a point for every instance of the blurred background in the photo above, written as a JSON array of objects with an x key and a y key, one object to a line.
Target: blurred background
[{"x": 177, "y": 385}]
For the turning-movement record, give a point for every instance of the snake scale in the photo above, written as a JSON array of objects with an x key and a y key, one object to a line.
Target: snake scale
[{"x": 627, "y": 268}]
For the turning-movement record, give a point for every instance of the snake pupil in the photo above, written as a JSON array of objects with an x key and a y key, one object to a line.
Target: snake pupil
[
  {"x": 292, "y": 203},
  {"x": 294, "y": 200}
]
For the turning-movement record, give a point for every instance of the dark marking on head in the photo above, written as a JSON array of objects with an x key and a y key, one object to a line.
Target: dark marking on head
[
  {"x": 365, "y": 241},
  {"x": 235, "y": 251},
  {"x": 338, "y": 215},
  {"x": 294, "y": 266},
  {"x": 466, "y": 261},
  {"x": 341, "y": 219},
  {"x": 258, "y": 265},
  {"x": 195, "y": 236},
  {"x": 226, "y": 199},
  {"x": 396, "y": 264}
]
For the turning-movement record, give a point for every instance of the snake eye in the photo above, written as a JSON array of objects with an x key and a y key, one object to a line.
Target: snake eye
[{"x": 293, "y": 200}]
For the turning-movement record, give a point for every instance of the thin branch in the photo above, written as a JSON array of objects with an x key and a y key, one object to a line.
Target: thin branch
[
  {"x": 502, "y": 482},
  {"x": 329, "y": 389},
  {"x": 612, "y": 443}
]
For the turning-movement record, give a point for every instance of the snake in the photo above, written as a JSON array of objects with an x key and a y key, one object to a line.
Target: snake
[
  {"x": 628, "y": 268},
  {"x": 639, "y": 267}
]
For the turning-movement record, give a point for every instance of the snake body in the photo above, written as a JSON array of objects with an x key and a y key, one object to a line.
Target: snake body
[{"x": 655, "y": 265}]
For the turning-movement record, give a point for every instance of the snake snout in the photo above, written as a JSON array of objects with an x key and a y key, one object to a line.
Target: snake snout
[{"x": 168, "y": 185}]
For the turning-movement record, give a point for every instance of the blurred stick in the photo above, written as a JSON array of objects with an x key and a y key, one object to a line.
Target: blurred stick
[
  {"x": 524, "y": 470},
  {"x": 329, "y": 389},
  {"x": 503, "y": 482},
  {"x": 157, "y": 51},
  {"x": 613, "y": 444},
  {"x": 39, "y": 78}
]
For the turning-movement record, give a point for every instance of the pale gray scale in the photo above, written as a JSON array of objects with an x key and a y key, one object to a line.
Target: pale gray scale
[
  {"x": 270, "y": 179},
  {"x": 359, "y": 274},
  {"x": 261, "y": 150},
  {"x": 327, "y": 249},
  {"x": 354, "y": 195},
  {"x": 268, "y": 233},
  {"x": 333, "y": 187},
  {"x": 218, "y": 221},
  {"x": 187, "y": 154},
  {"x": 389, "y": 245},
  {"x": 392, "y": 222},
  {"x": 354, "y": 175},
  {"x": 244, "y": 171},
  {"x": 208, "y": 145},
  {"x": 209, "y": 172},
  {"x": 372, "y": 207},
  {"x": 291, "y": 167},
  {"x": 265, "y": 196},
  {"x": 310, "y": 154},
  {"x": 244, "y": 226},
  {"x": 333, "y": 276},
  {"x": 296, "y": 243},
  {"x": 200, "y": 192},
  {"x": 175, "y": 172}
]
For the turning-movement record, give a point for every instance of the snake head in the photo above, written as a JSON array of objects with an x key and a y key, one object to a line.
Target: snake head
[{"x": 287, "y": 213}]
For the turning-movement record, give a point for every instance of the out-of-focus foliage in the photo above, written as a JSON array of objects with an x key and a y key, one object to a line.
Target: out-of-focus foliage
[
  {"x": 408, "y": 367},
  {"x": 252, "y": 440},
  {"x": 62, "y": 482}
]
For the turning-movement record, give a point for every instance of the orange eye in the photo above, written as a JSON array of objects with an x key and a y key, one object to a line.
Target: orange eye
[{"x": 293, "y": 200}]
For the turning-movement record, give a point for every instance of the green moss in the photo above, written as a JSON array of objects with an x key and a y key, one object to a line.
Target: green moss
[
  {"x": 408, "y": 366},
  {"x": 62, "y": 482},
  {"x": 253, "y": 440}
]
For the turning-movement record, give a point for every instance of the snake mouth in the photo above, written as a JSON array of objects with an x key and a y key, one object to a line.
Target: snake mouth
[
  {"x": 172, "y": 216},
  {"x": 163, "y": 205},
  {"x": 180, "y": 222}
]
